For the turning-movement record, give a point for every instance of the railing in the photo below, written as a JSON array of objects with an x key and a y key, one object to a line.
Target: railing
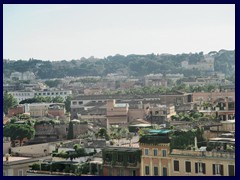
[{"x": 211, "y": 154}]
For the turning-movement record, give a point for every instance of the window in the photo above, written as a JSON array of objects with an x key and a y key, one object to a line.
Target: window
[
  {"x": 52, "y": 93},
  {"x": 48, "y": 93},
  {"x": 56, "y": 93},
  {"x": 145, "y": 151},
  {"x": 133, "y": 172},
  {"x": 61, "y": 93},
  {"x": 164, "y": 172},
  {"x": 155, "y": 152},
  {"x": 164, "y": 153},
  {"x": 120, "y": 172},
  {"x": 188, "y": 166},
  {"x": 155, "y": 171},
  {"x": 176, "y": 165},
  {"x": 65, "y": 92},
  {"x": 131, "y": 158},
  {"x": 108, "y": 157},
  {"x": 44, "y": 94},
  {"x": 120, "y": 158},
  {"x": 231, "y": 171},
  {"x": 20, "y": 172},
  {"x": 110, "y": 171},
  {"x": 146, "y": 170},
  {"x": 217, "y": 169},
  {"x": 200, "y": 168},
  {"x": 156, "y": 112}
]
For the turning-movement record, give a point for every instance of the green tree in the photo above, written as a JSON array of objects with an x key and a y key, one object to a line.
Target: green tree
[
  {"x": 68, "y": 104},
  {"x": 103, "y": 133},
  {"x": 18, "y": 132},
  {"x": 70, "y": 131},
  {"x": 58, "y": 99},
  {"x": 8, "y": 102}
]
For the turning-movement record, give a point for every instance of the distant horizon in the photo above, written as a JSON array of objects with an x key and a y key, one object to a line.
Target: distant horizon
[
  {"x": 115, "y": 55},
  {"x": 71, "y": 31}
]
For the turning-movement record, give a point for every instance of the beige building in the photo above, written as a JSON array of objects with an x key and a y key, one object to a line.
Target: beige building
[
  {"x": 117, "y": 113},
  {"x": 17, "y": 166},
  {"x": 38, "y": 109},
  {"x": 158, "y": 160},
  {"x": 196, "y": 163}
]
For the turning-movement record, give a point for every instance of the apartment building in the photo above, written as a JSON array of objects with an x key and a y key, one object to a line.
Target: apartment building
[
  {"x": 121, "y": 161},
  {"x": 155, "y": 160},
  {"x": 159, "y": 160}
]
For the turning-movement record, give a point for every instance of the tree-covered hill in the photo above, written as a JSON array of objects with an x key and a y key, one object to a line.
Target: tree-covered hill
[{"x": 136, "y": 65}]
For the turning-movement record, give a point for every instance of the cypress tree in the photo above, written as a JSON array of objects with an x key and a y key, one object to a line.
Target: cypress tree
[{"x": 70, "y": 130}]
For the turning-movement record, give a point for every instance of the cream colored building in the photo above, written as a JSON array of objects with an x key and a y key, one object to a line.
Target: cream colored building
[
  {"x": 158, "y": 160},
  {"x": 17, "y": 166},
  {"x": 197, "y": 163},
  {"x": 38, "y": 109},
  {"x": 117, "y": 113}
]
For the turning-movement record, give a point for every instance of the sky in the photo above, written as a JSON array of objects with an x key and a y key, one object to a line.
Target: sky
[{"x": 66, "y": 32}]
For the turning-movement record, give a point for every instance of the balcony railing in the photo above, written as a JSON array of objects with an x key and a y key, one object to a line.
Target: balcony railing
[{"x": 202, "y": 154}]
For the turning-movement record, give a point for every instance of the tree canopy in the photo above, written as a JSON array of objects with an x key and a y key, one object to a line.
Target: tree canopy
[
  {"x": 18, "y": 132},
  {"x": 8, "y": 102}
]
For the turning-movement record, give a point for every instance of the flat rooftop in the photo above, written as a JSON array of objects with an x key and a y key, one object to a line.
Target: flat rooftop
[{"x": 13, "y": 159}]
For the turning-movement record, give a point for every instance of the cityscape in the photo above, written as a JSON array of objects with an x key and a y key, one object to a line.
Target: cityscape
[{"x": 125, "y": 112}]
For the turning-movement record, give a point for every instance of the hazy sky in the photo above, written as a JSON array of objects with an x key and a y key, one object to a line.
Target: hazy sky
[{"x": 57, "y": 32}]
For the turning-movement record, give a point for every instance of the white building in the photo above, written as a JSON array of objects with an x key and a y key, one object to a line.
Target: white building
[
  {"x": 22, "y": 95},
  {"x": 22, "y": 76},
  {"x": 206, "y": 64}
]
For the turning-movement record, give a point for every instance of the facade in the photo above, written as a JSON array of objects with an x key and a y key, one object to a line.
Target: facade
[
  {"x": 56, "y": 109},
  {"x": 156, "y": 80},
  {"x": 161, "y": 113},
  {"x": 22, "y": 76},
  {"x": 16, "y": 110},
  {"x": 38, "y": 109},
  {"x": 155, "y": 160},
  {"x": 159, "y": 160},
  {"x": 17, "y": 166},
  {"x": 117, "y": 113},
  {"x": 206, "y": 64},
  {"x": 22, "y": 95},
  {"x": 121, "y": 161},
  {"x": 196, "y": 163}
]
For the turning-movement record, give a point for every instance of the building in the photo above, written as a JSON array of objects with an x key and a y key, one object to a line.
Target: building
[
  {"x": 159, "y": 114},
  {"x": 156, "y": 80},
  {"x": 17, "y": 166},
  {"x": 155, "y": 160},
  {"x": 56, "y": 109},
  {"x": 205, "y": 163},
  {"x": 117, "y": 113},
  {"x": 22, "y": 95},
  {"x": 121, "y": 161},
  {"x": 159, "y": 160},
  {"x": 181, "y": 101},
  {"x": 16, "y": 76},
  {"x": 206, "y": 64},
  {"x": 16, "y": 110},
  {"x": 38, "y": 109}
]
